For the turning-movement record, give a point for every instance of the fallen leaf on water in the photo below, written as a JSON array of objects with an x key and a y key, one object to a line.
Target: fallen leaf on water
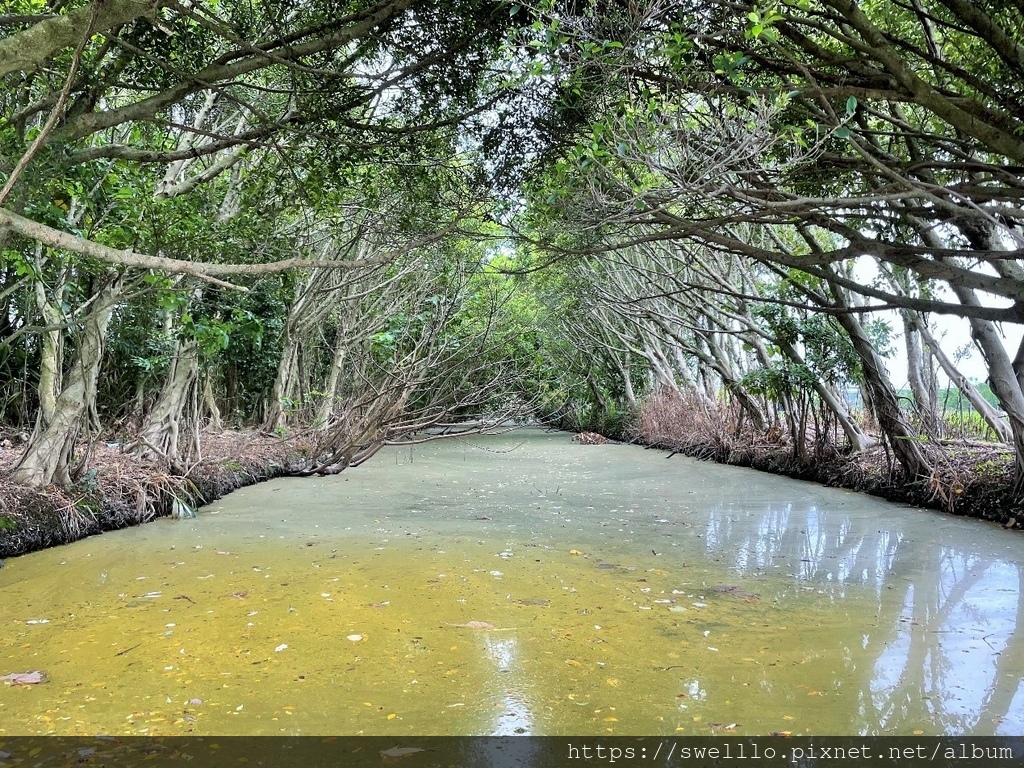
[
  {"x": 918, "y": 732},
  {"x": 575, "y": 552},
  {"x": 613, "y": 682},
  {"x": 398, "y": 752},
  {"x": 573, "y": 663},
  {"x": 782, "y": 734},
  {"x": 722, "y": 727},
  {"x": 392, "y": 716},
  {"x": 24, "y": 678}
]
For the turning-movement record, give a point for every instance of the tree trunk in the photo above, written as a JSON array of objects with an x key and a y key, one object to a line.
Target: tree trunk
[
  {"x": 284, "y": 383},
  {"x": 163, "y": 427},
  {"x": 48, "y": 455},
  {"x": 980, "y": 404},
  {"x": 924, "y": 404},
  {"x": 327, "y": 406},
  {"x": 1003, "y": 375},
  {"x": 859, "y": 441},
  {"x": 51, "y": 356},
  {"x": 210, "y": 401},
  {"x": 906, "y": 444}
]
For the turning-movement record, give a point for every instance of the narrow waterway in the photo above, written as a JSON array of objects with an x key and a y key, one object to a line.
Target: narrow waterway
[{"x": 520, "y": 583}]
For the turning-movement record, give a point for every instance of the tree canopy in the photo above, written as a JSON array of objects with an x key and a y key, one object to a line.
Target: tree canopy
[{"x": 369, "y": 218}]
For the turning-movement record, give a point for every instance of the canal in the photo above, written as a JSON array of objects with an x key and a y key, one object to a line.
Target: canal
[{"x": 520, "y": 583}]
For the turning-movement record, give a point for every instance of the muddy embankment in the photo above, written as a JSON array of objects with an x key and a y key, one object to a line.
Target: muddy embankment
[
  {"x": 116, "y": 490},
  {"x": 969, "y": 479}
]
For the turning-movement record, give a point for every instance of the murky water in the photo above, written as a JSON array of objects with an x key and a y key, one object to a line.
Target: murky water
[{"x": 523, "y": 584}]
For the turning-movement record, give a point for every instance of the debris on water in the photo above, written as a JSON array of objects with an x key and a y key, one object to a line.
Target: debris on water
[
  {"x": 195, "y": 702},
  {"x": 24, "y": 678},
  {"x": 397, "y": 753},
  {"x": 532, "y": 601},
  {"x": 474, "y": 625},
  {"x": 281, "y": 647},
  {"x": 732, "y": 589},
  {"x": 182, "y": 511},
  {"x": 354, "y": 638},
  {"x": 38, "y": 621}
]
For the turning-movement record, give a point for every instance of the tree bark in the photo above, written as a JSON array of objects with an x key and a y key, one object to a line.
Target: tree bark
[
  {"x": 906, "y": 444},
  {"x": 28, "y": 50},
  {"x": 980, "y": 404},
  {"x": 924, "y": 403},
  {"x": 163, "y": 427},
  {"x": 48, "y": 455},
  {"x": 859, "y": 441},
  {"x": 284, "y": 383},
  {"x": 210, "y": 401}
]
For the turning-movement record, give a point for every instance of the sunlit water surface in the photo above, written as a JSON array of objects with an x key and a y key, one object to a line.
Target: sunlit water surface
[{"x": 605, "y": 588}]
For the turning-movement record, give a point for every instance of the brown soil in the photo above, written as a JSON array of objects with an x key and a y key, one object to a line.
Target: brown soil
[{"x": 116, "y": 490}]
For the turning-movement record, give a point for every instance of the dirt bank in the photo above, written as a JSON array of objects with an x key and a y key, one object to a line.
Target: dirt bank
[
  {"x": 969, "y": 477},
  {"x": 116, "y": 490}
]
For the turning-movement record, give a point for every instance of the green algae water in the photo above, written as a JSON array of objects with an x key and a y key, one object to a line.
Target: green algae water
[{"x": 522, "y": 584}]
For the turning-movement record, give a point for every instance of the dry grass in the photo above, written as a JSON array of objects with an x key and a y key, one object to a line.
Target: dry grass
[
  {"x": 968, "y": 478},
  {"x": 689, "y": 424},
  {"x": 116, "y": 489}
]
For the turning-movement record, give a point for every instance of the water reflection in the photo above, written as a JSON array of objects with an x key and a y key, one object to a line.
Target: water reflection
[
  {"x": 513, "y": 709},
  {"x": 945, "y": 649}
]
